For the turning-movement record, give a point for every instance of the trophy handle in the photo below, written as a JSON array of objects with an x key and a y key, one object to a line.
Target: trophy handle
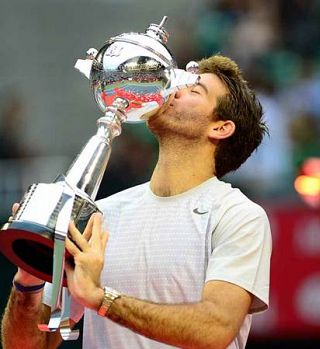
[
  {"x": 60, "y": 319},
  {"x": 59, "y": 296},
  {"x": 66, "y": 332}
]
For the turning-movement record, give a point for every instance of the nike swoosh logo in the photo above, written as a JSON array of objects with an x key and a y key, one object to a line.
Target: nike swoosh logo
[{"x": 196, "y": 210}]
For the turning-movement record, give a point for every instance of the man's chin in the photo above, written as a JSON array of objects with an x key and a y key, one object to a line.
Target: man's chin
[
  {"x": 156, "y": 116},
  {"x": 162, "y": 110}
]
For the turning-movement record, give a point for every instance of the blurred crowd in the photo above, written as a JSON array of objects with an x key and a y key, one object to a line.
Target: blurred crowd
[{"x": 277, "y": 45}]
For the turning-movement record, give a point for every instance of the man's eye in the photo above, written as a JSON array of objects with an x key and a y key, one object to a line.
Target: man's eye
[{"x": 195, "y": 91}]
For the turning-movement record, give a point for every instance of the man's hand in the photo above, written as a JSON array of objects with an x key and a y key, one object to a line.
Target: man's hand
[{"x": 88, "y": 251}]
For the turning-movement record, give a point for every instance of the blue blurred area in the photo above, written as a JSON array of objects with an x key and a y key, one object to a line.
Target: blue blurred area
[{"x": 47, "y": 112}]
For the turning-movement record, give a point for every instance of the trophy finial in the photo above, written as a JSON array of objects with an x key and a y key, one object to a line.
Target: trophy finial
[
  {"x": 157, "y": 31},
  {"x": 162, "y": 23}
]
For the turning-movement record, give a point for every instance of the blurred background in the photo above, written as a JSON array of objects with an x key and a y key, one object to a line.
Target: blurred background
[{"x": 47, "y": 113}]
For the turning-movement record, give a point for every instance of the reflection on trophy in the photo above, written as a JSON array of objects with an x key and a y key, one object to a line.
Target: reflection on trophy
[{"x": 132, "y": 77}]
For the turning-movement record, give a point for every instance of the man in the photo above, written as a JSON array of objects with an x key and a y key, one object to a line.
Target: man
[{"x": 188, "y": 256}]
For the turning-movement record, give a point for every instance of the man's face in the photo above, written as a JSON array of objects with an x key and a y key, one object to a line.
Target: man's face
[{"x": 190, "y": 111}]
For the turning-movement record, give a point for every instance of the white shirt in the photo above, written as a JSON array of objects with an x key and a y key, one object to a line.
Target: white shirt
[{"x": 164, "y": 249}]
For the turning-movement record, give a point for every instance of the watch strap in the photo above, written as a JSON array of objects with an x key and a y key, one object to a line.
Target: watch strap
[
  {"x": 28, "y": 289},
  {"x": 110, "y": 295}
]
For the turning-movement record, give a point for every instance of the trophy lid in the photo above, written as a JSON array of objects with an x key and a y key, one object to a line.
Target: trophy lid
[{"x": 158, "y": 32}]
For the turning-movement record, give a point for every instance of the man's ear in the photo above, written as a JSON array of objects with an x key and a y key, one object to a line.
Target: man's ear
[{"x": 221, "y": 129}]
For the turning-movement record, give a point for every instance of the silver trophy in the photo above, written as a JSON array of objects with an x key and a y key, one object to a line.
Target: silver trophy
[{"x": 132, "y": 77}]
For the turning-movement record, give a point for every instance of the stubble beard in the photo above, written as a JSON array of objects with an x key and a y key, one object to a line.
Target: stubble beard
[{"x": 176, "y": 125}]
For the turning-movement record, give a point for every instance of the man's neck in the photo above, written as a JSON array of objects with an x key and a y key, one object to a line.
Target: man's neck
[{"x": 181, "y": 168}]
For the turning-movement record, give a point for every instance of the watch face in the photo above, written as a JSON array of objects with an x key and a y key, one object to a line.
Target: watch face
[{"x": 109, "y": 296}]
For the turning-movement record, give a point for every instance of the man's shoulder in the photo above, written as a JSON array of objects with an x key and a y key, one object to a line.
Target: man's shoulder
[
  {"x": 123, "y": 197},
  {"x": 233, "y": 199},
  {"x": 237, "y": 216}
]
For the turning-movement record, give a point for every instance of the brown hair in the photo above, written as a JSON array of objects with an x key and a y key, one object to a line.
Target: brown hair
[{"x": 242, "y": 107}]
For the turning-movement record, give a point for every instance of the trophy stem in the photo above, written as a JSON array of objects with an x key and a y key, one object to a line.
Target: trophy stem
[{"x": 87, "y": 170}]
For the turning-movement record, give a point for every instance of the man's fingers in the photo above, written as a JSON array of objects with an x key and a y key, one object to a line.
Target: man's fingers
[
  {"x": 88, "y": 230},
  {"x": 15, "y": 208},
  {"x": 92, "y": 237},
  {"x": 96, "y": 231},
  {"x": 77, "y": 237},
  {"x": 72, "y": 248}
]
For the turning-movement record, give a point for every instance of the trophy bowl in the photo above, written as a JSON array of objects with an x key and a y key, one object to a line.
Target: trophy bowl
[{"x": 137, "y": 68}]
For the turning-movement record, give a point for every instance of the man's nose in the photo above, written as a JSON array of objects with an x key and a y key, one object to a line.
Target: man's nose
[{"x": 179, "y": 93}]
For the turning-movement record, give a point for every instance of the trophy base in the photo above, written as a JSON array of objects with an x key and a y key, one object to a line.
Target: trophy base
[
  {"x": 30, "y": 246},
  {"x": 27, "y": 240}
]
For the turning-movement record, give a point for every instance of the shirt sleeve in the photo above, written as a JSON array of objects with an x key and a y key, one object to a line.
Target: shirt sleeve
[
  {"x": 77, "y": 309},
  {"x": 241, "y": 251}
]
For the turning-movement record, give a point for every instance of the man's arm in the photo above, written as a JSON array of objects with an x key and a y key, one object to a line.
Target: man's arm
[
  {"x": 212, "y": 323},
  {"x": 23, "y": 313}
]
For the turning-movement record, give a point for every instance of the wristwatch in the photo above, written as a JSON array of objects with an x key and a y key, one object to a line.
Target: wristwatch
[{"x": 110, "y": 295}]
